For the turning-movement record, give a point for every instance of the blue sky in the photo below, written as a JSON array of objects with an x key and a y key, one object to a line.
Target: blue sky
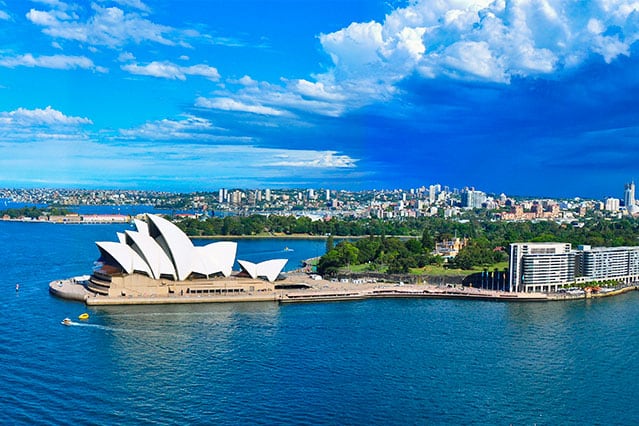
[{"x": 526, "y": 98}]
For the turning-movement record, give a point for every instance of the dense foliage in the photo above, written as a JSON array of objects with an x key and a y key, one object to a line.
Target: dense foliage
[
  {"x": 595, "y": 232},
  {"x": 389, "y": 254},
  {"x": 34, "y": 212},
  {"x": 489, "y": 240},
  {"x": 260, "y": 224}
]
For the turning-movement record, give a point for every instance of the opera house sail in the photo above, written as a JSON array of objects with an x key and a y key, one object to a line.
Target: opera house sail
[{"x": 158, "y": 259}]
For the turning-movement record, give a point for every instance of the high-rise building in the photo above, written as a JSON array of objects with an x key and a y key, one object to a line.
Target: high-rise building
[
  {"x": 472, "y": 199},
  {"x": 432, "y": 193},
  {"x": 540, "y": 267},
  {"x": 267, "y": 195},
  {"x": 629, "y": 197},
  {"x": 612, "y": 204}
]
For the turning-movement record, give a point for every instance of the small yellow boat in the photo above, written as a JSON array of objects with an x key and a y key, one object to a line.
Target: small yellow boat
[{"x": 83, "y": 316}]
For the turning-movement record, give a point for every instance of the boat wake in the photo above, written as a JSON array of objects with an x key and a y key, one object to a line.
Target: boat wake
[{"x": 84, "y": 324}]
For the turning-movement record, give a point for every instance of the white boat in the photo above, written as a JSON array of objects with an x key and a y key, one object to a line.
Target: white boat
[{"x": 66, "y": 321}]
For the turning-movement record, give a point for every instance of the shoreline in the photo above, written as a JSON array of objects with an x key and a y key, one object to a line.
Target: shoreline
[{"x": 324, "y": 291}]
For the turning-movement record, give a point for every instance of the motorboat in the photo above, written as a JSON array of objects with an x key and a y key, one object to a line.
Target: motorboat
[
  {"x": 83, "y": 316},
  {"x": 66, "y": 321}
]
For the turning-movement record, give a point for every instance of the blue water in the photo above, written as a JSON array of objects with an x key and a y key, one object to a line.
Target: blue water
[{"x": 369, "y": 362}]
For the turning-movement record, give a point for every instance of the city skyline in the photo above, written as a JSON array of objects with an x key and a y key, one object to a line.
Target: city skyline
[{"x": 528, "y": 99}]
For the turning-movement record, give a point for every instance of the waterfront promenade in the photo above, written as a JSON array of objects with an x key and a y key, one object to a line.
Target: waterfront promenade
[{"x": 318, "y": 290}]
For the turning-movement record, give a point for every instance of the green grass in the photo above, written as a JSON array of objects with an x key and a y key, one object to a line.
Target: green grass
[{"x": 432, "y": 270}]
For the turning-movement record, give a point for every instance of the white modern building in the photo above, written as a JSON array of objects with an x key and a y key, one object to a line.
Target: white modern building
[
  {"x": 540, "y": 267},
  {"x": 608, "y": 263},
  {"x": 546, "y": 267},
  {"x": 159, "y": 259}
]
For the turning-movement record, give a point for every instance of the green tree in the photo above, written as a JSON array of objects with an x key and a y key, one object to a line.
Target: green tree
[{"x": 330, "y": 243}]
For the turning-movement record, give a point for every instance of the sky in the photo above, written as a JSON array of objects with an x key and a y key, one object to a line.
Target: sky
[{"x": 521, "y": 97}]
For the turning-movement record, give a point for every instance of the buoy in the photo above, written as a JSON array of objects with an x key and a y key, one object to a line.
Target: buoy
[{"x": 83, "y": 316}]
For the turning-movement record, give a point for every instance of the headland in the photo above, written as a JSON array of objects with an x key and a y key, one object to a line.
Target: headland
[{"x": 303, "y": 288}]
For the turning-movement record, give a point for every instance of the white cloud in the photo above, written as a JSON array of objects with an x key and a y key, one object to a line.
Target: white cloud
[
  {"x": 283, "y": 100},
  {"x": 36, "y": 117},
  {"x": 318, "y": 90},
  {"x": 126, "y": 57},
  {"x": 137, "y": 4},
  {"x": 314, "y": 159},
  {"x": 247, "y": 81},
  {"x": 228, "y": 104},
  {"x": 109, "y": 26},
  {"x": 62, "y": 62},
  {"x": 52, "y": 3},
  {"x": 172, "y": 71},
  {"x": 480, "y": 40},
  {"x": 189, "y": 128},
  {"x": 4, "y": 16}
]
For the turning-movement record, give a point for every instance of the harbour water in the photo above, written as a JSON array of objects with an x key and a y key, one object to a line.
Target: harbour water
[{"x": 414, "y": 361}]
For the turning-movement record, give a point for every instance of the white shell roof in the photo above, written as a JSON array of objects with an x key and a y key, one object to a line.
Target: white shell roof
[
  {"x": 153, "y": 254},
  {"x": 126, "y": 257},
  {"x": 222, "y": 253},
  {"x": 269, "y": 268},
  {"x": 160, "y": 248},
  {"x": 141, "y": 226},
  {"x": 179, "y": 245}
]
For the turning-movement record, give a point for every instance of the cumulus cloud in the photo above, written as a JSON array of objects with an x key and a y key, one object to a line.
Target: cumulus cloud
[
  {"x": 108, "y": 26},
  {"x": 172, "y": 71},
  {"x": 32, "y": 125},
  {"x": 61, "y": 62},
  {"x": 39, "y": 117},
  {"x": 482, "y": 40}
]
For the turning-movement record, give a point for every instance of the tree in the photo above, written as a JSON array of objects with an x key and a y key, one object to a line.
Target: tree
[
  {"x": 428, "y": 242},
  {"x": 330, "y": 243},
  {"x": 330, "y": 263},
  {"x": 414, "y": 246},
  {"x": 348, "y": 253}
]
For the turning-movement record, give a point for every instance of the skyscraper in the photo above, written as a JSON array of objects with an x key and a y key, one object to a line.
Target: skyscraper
[{"x": 629, "y": 197}]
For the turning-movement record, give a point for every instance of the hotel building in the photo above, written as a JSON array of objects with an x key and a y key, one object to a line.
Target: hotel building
[
  {"x": 546, "y": 267},
  {"x": 540, "y": 267}
]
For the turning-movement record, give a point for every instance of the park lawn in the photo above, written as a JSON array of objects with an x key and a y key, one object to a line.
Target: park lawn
[
  {"x": 432, "y": 270},
  {"x": 501, "y": 266}
]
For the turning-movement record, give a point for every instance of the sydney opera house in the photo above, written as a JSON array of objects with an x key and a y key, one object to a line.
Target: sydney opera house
[{"x": 158, "y": 259}]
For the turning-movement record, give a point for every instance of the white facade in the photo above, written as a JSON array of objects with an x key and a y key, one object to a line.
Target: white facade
[
  {"x": 545, "y": 267},
  {"x": 612, "y": 204},
  {"x": 609, "y": 263},
  {"x": 540, "y": 264}
]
